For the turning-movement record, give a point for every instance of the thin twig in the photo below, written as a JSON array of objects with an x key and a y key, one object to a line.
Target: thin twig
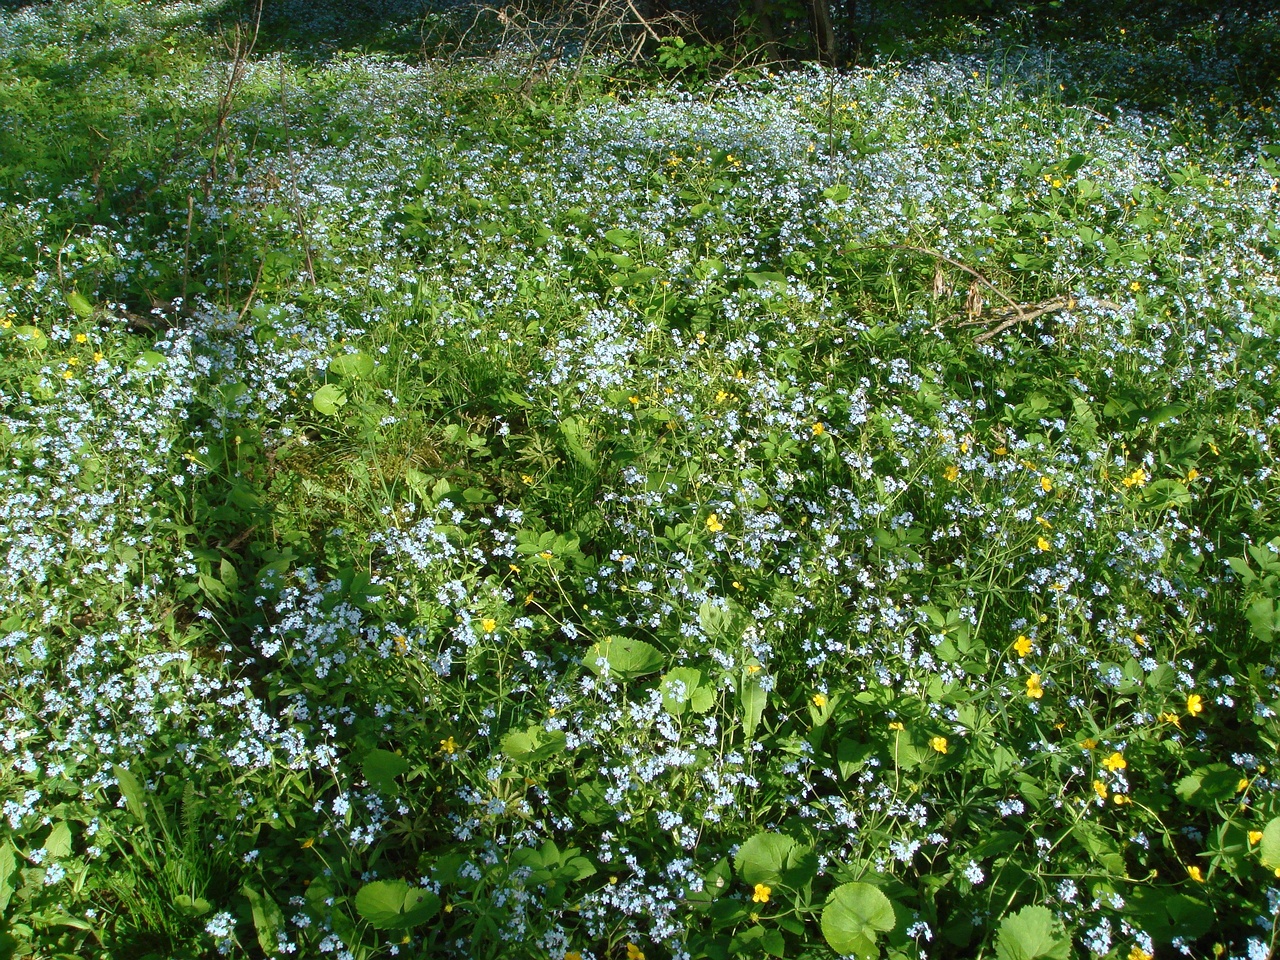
[{"x": 959, "y": 266}]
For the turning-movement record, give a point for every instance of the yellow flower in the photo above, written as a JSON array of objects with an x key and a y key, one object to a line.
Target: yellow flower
[
  {"x": 635, "y": 401},
  {"x": 1100, "y": 789},
  {"x": 572, "y": 955},
  {"x": 1255, "y": 836},
  {"x": 67, "y": 375},
  {"x": 1136, "y": 479},
  {"x": 98, "y": 357},
  {"x": 1022, "y": 645},
  {"x": 952, "y": 473},
  {"x": 1137, "y": 953},
  {"x": 1194, "y": 873},
  {"x": 753, "y": 668},
  {"x": 308, "y": 843},
  {"x": 546, "y": 554},
  {"x": 1044, "y": 523},
  {"x": 1046, "y": 484},
  {"x": 1135, "y": 286},
  {"x": 402, "y": 646},
  {"x": 81, "y": 338},
  {"x": 448, "y": 746},
  {"x": 634, "y": 952},
  {"x": 1192, "y": 474},
  {"x": 1120, "y": 800},
  {"x": 714, "y": 524},
  {"x": 819, "y": 429},
  {"x": 526, "y": 479},
  {"x": 1242, "y": 784},
  {"x": 1089, "y": 744},
  {"x": 1171, "y": 718},
  {"x": 1042, "y": 544},
  {"x": 1001, "y": 450},
  {"x": 819, "y": 700},
  {"x": 1195, "y": 704},
  {"x": 721, "y": 396},
  {"x": 896, "y": 725},
  {"x": 939, "y": 744},
  {"x": 1115, "y": 762},
  {"x": 488, "y": 624},
  {"x": 762, "y": 893},
  {"x": 1034, "y": 690}
]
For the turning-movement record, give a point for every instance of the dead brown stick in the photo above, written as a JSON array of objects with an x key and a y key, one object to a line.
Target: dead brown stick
[{"x": 924, "y": 251}]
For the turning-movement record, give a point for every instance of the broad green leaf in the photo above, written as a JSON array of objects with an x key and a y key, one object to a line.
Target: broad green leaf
[
  {"x": 577, "y": 437},
  {"x": 79, "y": 304},
  {"x": 267, "y": 918},
  {"x": 192, "y": 906},
  {"x": 58, "y": 844},
  {"x": 148, "y": 360},
  {"x": 625, "y": 657},
  {"x": 753, "y": 698},
  {"x": 381, "y": 767},
  {"x": 768, "y": 857},
  {"x": 625, "y": 239},
  {"x": 1269, "y": 845},
  {"x": 394, "y": 905},
  {"x": 131, "y": 790},
  {"x": 33, "y": 337},
  {"x": 8, "y": 870},
  {"x": 1031, "y": 933},
  {"x": 352, "y": 365},
  {"x": 329, "y": 399},
  {"x": 684, "y": 688},
  {"x": 1262, "y": 618},
  {"x": 853, "y": 915},
  {"x": 837, "y": 192}
]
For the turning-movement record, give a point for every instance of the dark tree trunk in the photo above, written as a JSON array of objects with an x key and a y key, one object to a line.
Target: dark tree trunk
[{"x": 824, "y": 33}]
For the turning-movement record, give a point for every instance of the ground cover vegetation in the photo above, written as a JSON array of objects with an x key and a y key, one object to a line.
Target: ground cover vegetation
[{"x": 566, "y": 507}]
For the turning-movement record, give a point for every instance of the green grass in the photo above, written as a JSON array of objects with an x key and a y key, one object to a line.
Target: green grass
[{"x": 456, "y": 510}]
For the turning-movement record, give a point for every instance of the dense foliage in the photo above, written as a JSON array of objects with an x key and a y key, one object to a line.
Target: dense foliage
[{"x": 515, "y": 508}]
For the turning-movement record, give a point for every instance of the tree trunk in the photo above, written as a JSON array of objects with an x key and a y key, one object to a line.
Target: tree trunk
[
  {"x": 824, "y": 33},
  {"x": 764, "y": 23}
]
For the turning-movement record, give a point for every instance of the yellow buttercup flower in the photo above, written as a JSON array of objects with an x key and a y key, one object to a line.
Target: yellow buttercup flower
[
  {"x": 1255, "y": 836},
  {"x": 1046, "y": 484},
  {"x": 1120, "y": 800},
  {"x": 1022, "y": 645},
  {"x": 1194, "y": 873},
  {"x": 634, "y": 952},
  {"x": 1137, "y": 953},
  {"x": 896, "y": 725},
  {"x": 714, "y": 524},
  {"x": 761, "y": 894},
  {"x": 819, "y": 429},
  {"x": 819, "y": 700},
  {"x": 939, "y": 744},
  {"x": 1034, "y": 690},
  {"x": 449, "y": 746},
  {"x": 1100, "y": 789},
  {"x": 952, "y": 473},
  {"x": 1195, "y": 704},
  {"x": 1115, "y": 762},
  {"x": 1089, "y": 744},
  {"x": 1042, "y": 544}
]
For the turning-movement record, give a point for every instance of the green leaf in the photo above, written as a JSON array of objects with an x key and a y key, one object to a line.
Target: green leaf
[
  {"x": 329, "y": 399},
  {"x": 381, "y": 767},
  {"x": 533, "y": 743},
  {"x": 853, "y": 915},
  {"x": 1031, "y": 933},
  {"x": 626, "y": 658},
  {"x": 192, "y": 906},
  {"x": 8, "y": 867},
  {"x": 33, "y": 337},
  {"x": 79, "y": 304},
  {"x": 769, "y": 858},
  {"x": 1269, "y": 845},
  {"x": 753, "y": 698},
  {"x": 684, "y": 688},
  {"x": 625, "y": 239},
  {"x": 131, "y": 790},
  {"x": 267, "y": 918},
  {"x": 577, "y": 435},
  {"x": 394, "y": 905},
  {"x": 352, "y": 366},
  {"x": 148, "y": 360},
  {"x": 58, "y": 844},
  {"x": 838, "y": 192}
]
